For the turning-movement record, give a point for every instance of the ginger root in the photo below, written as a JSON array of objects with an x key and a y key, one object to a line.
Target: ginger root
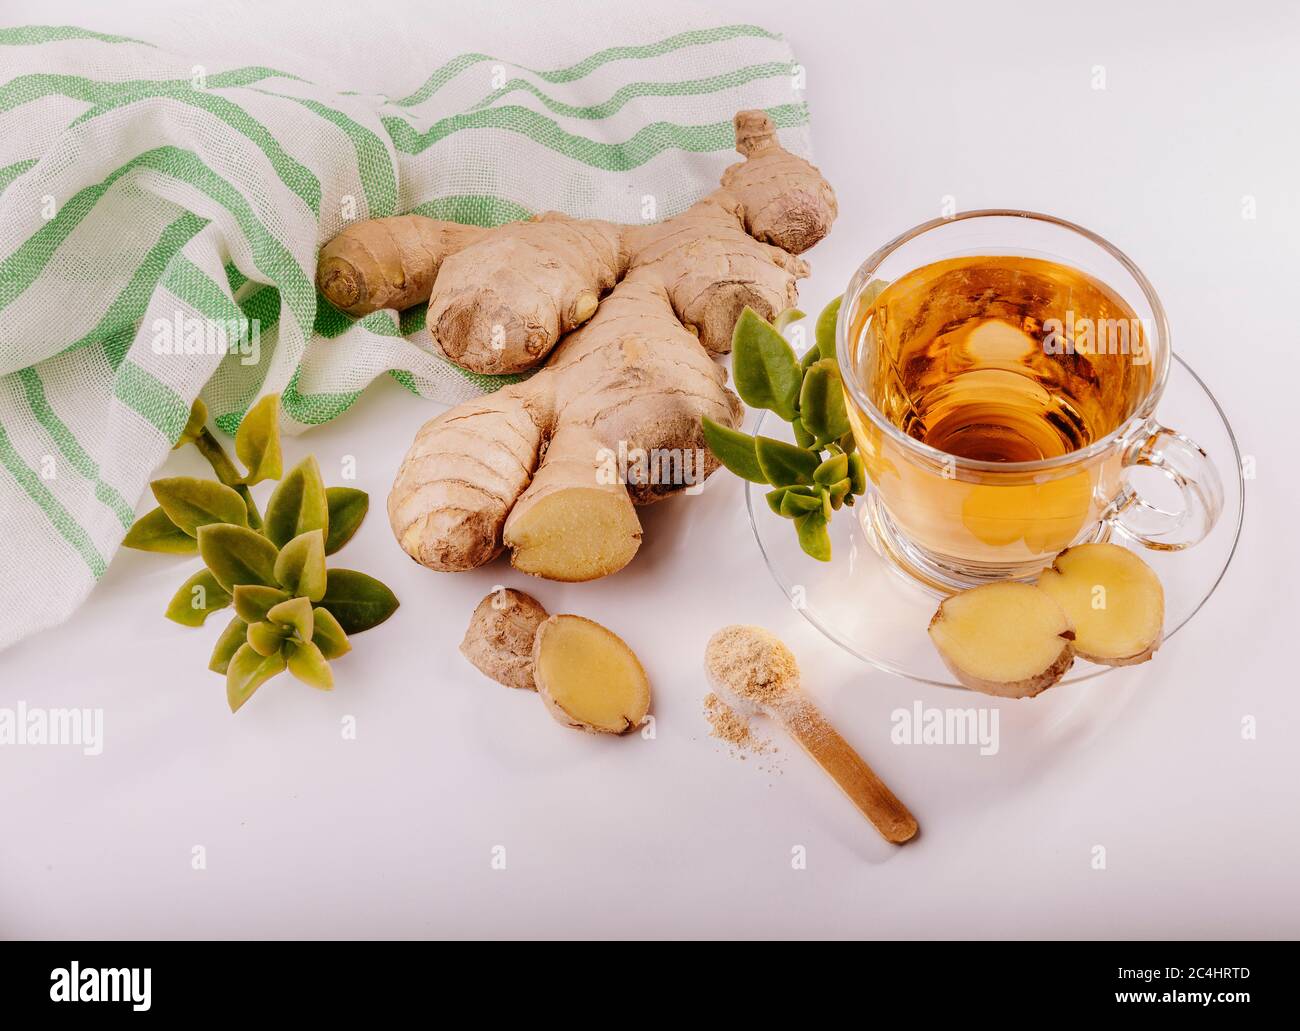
[
  {"x": 499, "y": 640},
  {"x": 1113, "y": 598},
  {"x": 587, "y": 677},
  {"x": 629, "y": 317},
  {"x": 1007, "y": 639}
]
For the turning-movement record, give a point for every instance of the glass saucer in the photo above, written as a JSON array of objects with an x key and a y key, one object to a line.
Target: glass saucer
[{"x": 867, "y": 606}]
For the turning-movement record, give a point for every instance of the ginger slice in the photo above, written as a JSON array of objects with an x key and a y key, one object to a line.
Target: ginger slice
[
  {"x": 1007, "y": 639},
  {"x": 499, "y": 640},
  {"x": 1113, "y": 599},
  {"x": 588, "y": 677}
]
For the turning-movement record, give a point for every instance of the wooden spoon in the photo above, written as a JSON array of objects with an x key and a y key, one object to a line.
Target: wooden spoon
[{"x": 753, "y": 667}]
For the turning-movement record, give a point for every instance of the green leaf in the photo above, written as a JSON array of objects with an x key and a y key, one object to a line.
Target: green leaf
[
  {"x": 821, "y": 401},
  {"x": 210, "y": 448},
  {"x": 733, "y": 449},
  {"x": 298, "y": 504},
  {"x": 796, "y": 503},
  {"x": 198, "y": 596},
  {"x": 194, "y": 426},
  {"x": 257, "y": 442},
  {"x": 154, "y": 531},
  {"x": 810, "y": 356},
  {"x": 764, "y": 366},
  {"x": 857, "y": 474},
  {"x": 347, "y": 508},
  {"x": 253, "y": 601},
  {"x": 787, "y": 317},
  {"x": 247, "y": 672},
  {"x": 308, "y": 664},
  {"x": 295, "y": 614},
  {"x": 838, "y": 492},
  {"x": 826, "y": 328},
  {"x": 784, "y": 464},
  {"x": 237, "y": 555},
  {"x": 301, "y": 565},
  {"x": 266, "y": 638},
  {"x": 231, "y": 640},
  {"x": 191, "y": 502},
  {"x": 813, "y": 537},
  {"x": 327, "y": 635},
  {"x": 774, "y": 498},
  {"x": 801, "y": 436},
  {"x": 832, "y": 470},
  {"x": 357, "y": 601}
]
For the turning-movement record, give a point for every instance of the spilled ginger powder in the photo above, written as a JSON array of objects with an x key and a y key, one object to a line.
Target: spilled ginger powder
[{"x": 733, "y": 728}]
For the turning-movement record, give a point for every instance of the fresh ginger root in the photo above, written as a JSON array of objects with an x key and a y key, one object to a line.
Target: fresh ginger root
[
  {"x": 636, "y": 312},
  {"x": 499, "y": 640},
  {"x": 1113, "y": 598},
  {"x": 1007, "y": 639},
  {"x": 587, "y": 676}
]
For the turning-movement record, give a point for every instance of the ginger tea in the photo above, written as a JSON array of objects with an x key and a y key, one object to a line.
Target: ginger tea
[{"x": 996, "y": 361}]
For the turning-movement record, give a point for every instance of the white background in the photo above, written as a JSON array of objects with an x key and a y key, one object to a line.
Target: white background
[{"x": 307, "y": 834}]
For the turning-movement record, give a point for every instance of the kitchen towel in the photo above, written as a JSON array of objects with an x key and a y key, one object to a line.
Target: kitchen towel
[{"x": 161, "y": 208}]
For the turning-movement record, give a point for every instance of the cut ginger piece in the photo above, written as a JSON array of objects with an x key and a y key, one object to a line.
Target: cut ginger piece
[
  {"x": 499, "y": 640},
  {"x": 574, "y": 533},
  {"x": 1007, "y": 639},
  {"x": 1113, "y": 599},
  {"x": 588, "y": 677}
]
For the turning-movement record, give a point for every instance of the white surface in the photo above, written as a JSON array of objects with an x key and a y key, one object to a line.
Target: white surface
[{"x": 392, "y": 834}]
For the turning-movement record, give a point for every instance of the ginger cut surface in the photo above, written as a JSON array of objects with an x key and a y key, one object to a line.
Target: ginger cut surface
[
  {"x": 1113, "y": 598},
  {"x": 588, "y": 677},
  {"x": 1006, "y": 639}
]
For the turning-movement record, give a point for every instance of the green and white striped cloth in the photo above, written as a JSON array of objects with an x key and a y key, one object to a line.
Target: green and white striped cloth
[{"x": 154, "y": 211}]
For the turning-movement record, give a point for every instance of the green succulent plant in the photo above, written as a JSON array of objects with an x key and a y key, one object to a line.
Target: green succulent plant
[
  {"x": 291, "y": 611},
  {"x": 822, "y": 471}
]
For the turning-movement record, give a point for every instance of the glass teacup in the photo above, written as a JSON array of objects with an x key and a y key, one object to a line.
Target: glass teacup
[{"x": 1002, "y": 371}]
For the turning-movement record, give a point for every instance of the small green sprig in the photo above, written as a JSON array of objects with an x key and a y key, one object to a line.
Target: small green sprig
[
  {"x": 822, "y": 471},
  {"x": 291, "y": 611}
]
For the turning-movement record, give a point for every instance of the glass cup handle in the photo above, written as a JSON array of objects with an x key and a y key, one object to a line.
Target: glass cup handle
[{"x": 1187, "y": 465}]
